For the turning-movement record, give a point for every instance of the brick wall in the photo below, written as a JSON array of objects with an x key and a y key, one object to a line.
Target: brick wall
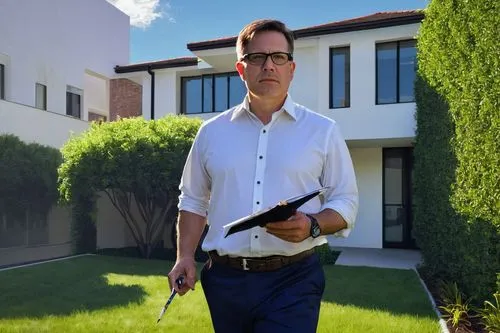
[{"x": 125, "y": 99}]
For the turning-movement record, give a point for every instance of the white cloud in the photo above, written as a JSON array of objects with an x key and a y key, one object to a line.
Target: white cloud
[{"x": 142, "y": 12}]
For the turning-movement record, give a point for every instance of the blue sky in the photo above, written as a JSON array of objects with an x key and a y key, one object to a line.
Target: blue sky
[{"x": 161, "y": 29}]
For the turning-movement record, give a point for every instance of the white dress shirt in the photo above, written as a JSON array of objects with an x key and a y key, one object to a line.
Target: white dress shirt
[{"x": 238, "y": 166}]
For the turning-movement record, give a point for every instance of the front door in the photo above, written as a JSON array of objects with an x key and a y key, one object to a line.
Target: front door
[{"x": 397, "y": 194}]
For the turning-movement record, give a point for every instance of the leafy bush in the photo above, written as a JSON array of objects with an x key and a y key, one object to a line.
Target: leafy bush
[
  {"x": 326, "y": 255},
  {"x": 130, "y": 160},
  {"x": 28, "y": 176},
  {"x": 458, "y": 55},
  {"x": 457, "y": 185},
  {"x": 453, "y": 247}
]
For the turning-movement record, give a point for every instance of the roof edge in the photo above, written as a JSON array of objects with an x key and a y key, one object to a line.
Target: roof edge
[
  {"x": 325, "y": 29},
  {"x": 383, "y": 23},
  {"x": 171, "y": 63}
]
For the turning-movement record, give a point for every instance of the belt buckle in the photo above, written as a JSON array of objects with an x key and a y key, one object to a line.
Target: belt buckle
[{"x": 244, "y": 263}]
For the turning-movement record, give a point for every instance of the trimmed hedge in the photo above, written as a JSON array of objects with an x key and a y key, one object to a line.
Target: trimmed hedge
[
  {"x": 457, "y": 149},
  {"x": 454, "y": 247},
  {"x": 459, "y": 56},
  {"x": 28, "y": 176}
]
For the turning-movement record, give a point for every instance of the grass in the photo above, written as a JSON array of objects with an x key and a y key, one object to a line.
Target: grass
[{"x": 117, "y": 294}]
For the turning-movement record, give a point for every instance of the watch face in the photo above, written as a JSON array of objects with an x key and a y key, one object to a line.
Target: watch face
[
  {"x": 315, "y": 232},
  {"x": 315, "y": 229}
]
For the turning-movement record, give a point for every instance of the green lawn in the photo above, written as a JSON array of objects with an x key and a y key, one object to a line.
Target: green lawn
[{"x": 116, "y": 294}]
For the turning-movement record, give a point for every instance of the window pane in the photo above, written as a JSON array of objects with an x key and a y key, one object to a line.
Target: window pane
[
  {"x": 2, "y": 81},
  {"x": 191, "y": 95},
  {"x": 237, "y": 90},
  {"x": 221, "y": 93},
  {"x": 386, "y": 73},
  {"x": 340, "y": 78},
  {"x": 207, "y": 93},
  {"x": 41, "y": 96},
  {"x": 407, "y": 68},
  {"x": 73, "y": 104}
]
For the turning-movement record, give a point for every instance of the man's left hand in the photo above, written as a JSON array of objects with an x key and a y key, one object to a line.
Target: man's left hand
[{"x": 295, "y": 229}]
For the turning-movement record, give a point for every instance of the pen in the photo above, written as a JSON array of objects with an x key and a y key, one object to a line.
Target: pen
[{"x": 179, "y": 282}]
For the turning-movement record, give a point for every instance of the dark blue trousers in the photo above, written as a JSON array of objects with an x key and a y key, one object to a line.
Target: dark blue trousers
[{"x": 286, "y": 300}]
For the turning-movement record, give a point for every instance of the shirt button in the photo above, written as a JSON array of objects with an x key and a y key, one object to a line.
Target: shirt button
[
  {"x": 258, "y": 182},
  {"x": 258, "y": 202},
  {"x": 256, "y": 236},
  {"x": 261, "y": 157},
  {"x": 263, "y": 131}
]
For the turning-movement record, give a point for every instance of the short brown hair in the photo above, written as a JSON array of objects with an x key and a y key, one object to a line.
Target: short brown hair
[{"x": 251, "y": 29}]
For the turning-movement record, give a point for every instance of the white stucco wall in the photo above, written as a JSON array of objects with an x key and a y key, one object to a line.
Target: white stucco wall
[
  {"x": 34, "y": 125},
  {"x": 165, "y": 93},
  {"x": 53, "y": 42},
  {"x": 96, "y": 97},
  {"x": 363, "y": 120},
  {"x": 367, "y": 231},
  {"x": 306, "y": 84}
]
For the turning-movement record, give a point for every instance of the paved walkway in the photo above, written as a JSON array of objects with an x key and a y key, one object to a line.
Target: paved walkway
[{"x": 385, "y": 258}]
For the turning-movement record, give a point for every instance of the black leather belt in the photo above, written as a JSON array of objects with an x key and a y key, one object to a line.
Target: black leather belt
[{"x": 256, "y": 264}]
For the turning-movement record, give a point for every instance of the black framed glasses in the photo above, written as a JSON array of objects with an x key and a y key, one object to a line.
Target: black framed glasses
[{"x": 258, "y": 58}]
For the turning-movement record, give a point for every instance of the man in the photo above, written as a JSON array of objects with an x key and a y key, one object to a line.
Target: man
[{"x": 249, "y": 158}]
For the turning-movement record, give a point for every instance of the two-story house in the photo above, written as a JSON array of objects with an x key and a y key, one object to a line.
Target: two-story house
[{"x": 360, "y": 72}]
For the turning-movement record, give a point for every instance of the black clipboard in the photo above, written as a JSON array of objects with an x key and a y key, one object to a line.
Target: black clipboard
[{"x": 282, "y": 211}]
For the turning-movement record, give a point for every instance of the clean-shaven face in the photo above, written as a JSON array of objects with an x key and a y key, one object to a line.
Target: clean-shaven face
[{"x": 267, "y": 80}]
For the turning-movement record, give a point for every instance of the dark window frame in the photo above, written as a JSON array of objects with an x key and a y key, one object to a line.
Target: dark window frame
[
  {"x": 2, "y": 81},
  {"x": 202, "y": 78},
  {"x": 44, "y": 106},
  {"x": 347, "y": 84},
  {"x": 77, "y": 92},
  {"x": 398, "y": 47}
]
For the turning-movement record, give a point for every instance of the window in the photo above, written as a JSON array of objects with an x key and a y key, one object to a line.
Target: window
[
  {"x": 396, "y": 68},
  {"x": 41, "y": 96},
  {"x": 211, "y": 93},
  {"x": 2, "y": 81},
  {"x": 73, "y": 102},
  {"x": 340, "y": 73}
]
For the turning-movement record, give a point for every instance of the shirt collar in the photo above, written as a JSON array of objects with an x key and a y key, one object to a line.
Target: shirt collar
[{"x": 288, "y": 107}]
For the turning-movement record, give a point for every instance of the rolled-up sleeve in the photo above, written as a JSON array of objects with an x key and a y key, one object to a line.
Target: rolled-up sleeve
[
  {"x": 195, "y": 181},
  {"x": 339, "y": 174}
]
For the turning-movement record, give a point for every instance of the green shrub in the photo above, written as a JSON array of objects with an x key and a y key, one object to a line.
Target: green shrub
[
  {"x": 28, "y": 177},
  {"x": 457, "y": 183},
  {"x": 454, "y": 247},
  {"x": 128, "y": 160},
  {"x": 326, "y": 255},
  {"x": 459, "y": 56}
]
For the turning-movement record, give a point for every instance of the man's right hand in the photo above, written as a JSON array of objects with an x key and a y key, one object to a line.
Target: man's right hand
[{"x": 185, "y": 266}]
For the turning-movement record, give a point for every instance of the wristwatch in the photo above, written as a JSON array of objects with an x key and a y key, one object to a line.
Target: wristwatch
[{"x": 315, "y": 228}]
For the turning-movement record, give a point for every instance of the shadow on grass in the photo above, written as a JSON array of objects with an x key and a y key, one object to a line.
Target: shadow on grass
[
  {"x": 396, "y": 291},
  {"x": 78, "y": 284}
]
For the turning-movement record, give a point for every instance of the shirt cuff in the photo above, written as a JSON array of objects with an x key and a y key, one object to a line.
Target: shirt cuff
[
  {"x": 347, "y": 213},
  {"x": 196, "y": 206}
]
